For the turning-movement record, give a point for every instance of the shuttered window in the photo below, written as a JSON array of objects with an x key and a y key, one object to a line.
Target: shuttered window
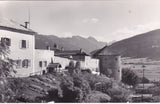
[
  {"x": 40, "y": 63},
  {"x": 24, "y": 44},
  {"x": 26, "y": 63}
]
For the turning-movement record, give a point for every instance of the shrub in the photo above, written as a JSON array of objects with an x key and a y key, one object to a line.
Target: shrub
[
  {"x": 129, "y": 77},
  {"x": 70, "y": 93},
  {"x": 118, "y": 94},
  {"x": 93, "y": 80},
  {"x": 97, "y": 97}
]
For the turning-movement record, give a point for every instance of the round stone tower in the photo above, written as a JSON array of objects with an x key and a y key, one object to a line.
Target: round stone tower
[{"x": 110, "y": 65}]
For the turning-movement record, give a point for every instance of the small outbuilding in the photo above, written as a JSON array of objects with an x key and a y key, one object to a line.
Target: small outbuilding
[{"x": 54, "y": 67}]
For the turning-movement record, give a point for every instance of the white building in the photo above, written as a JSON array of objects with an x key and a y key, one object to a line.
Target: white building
[
  {"x": 42, "y": 59},
  {"x": 21, "y": 42}
]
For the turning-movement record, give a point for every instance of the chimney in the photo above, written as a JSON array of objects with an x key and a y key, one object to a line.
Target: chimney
[
  {"x": 55, "y": 46},
  {"x": 26, "y": 24},
  {"x": 62, "y": 49},
  {"x": 80, "y": 50}
]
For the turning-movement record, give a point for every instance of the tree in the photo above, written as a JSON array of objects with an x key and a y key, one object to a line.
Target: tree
[
  {"x": 129, "y": 77},
  {"x": 71, "y": 67},
  {"x": 78, "y": 67},
  {"x": 6, "y": 64}
]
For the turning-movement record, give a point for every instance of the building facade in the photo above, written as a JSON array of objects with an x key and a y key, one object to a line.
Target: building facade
[
  {"x": 21, "y": 44},
  {"x": 42, "y": 60},
  {"x": 86, "y": 61}
]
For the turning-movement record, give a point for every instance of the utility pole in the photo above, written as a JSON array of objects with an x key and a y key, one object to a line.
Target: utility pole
[{"x": 143, "y": 66}]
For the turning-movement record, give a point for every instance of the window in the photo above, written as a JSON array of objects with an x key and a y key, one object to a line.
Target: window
[
  {"x": 18, "y": 63},
  {"x": 26, "y": 63},
  {"x": 45, "y": 63},
  {"x": 24, "y": 45},
  {"x": 6, "y": 41},
  {"x": 40, "y": 63}
]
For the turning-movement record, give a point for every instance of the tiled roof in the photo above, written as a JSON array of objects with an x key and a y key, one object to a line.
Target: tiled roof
[
  {"x": 70, "y": 52},
  {"x": 105, "y": 51},
  {"x": 54, "y": 65},
  {"x": 11, "y": 25}
]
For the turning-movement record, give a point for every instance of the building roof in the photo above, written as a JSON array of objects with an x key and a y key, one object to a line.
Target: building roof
[
  {"x": 71, "y": 53},
  {"x": 10, "y": 25},
  {"x": 105, "y": 51},
  {"x": 55, "y": 65}
]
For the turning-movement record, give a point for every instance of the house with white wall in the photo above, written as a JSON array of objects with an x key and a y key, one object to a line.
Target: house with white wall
[
  {"x": 42, "y": 60},
  {"x": 21, "y": 42}
]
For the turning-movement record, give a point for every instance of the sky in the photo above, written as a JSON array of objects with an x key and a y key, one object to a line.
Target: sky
[{"x": 105, "y": 20}]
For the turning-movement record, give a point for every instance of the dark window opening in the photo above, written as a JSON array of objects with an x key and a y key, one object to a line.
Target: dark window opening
[
  {"x": 24, "y": 45},
  {"x": 40, "y": 64},
  {"x": 26, "y": 63}
]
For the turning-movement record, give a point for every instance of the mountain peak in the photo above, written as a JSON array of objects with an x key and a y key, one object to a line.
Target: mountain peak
[
  {"x": 72, "y": 43},
  {"x": 91, "y": 38}
]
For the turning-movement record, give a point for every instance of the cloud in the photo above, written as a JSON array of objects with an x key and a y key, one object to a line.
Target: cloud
[{"x": 90, "y": 20}]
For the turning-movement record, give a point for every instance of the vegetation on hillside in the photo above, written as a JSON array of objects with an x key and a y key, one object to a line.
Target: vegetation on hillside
[
  {"x": 66, "y": 87},
  {"x": 129, "y": 77}
]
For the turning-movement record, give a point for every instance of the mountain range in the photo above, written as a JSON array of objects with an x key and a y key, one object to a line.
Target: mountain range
[
  {"x": 71, "y": 43},
  {"x": 140, "y": 46}
]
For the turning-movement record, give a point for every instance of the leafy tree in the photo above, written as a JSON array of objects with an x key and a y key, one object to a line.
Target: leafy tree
[
  {"x": 129, "y": 77},
  {"x": 6, "y": 64},
  {"x": 78, "y": 67},
  {"x": 71, "y": 67}
]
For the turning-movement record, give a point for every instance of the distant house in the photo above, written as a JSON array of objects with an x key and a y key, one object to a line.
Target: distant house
[
  {"x": 74, "y": 54},
  {"x": 109, "y": 62},
  {"x": 86, "y": 61}
]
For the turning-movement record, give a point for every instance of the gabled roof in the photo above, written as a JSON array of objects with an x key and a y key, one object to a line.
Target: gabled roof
[
  {"x": 10, "y": 25},
  {"x": 55, "y": 65},
  {"x": 106, "y": 50},
  {"x": 71, "y": 52}
]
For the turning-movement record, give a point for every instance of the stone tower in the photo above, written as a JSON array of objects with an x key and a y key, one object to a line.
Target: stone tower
[{"x": 109, "y": 63}]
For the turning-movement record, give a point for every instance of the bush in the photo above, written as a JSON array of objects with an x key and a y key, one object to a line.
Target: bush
[
  {"x": 69, "y": 92},
  {"x": 129, "y": 77},
  {"x": 6, "y": 94},
  {"x": 118, "y": 94},
  {"x": 97, "y": 97},
  {"x": 93, "y": 80}
]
